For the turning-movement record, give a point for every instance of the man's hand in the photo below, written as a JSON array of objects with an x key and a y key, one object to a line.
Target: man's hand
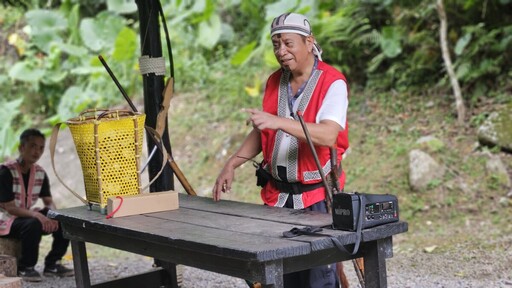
[
  {"x": 49, "y": 225},
  {"x": 262, "y": 120},
  {"x": 248, "y": 150},
  {"x": 223, "y": 182}
]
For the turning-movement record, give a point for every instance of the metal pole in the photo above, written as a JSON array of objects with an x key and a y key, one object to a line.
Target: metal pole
[{"x": 151, "y": 45}]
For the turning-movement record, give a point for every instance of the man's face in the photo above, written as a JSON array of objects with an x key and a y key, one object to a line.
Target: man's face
[
  {"x": 32, "y": 150},
  {"x": 291, "y": 50}
]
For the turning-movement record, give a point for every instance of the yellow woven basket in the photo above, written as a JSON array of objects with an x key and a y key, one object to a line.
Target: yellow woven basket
[{"x": 109, "y": 145}]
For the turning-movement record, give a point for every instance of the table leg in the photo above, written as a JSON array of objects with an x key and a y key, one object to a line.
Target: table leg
[
  {"x": 80, "y": 265},
  {"x": 273, "y": 274},
  {"x": 375, "y": 256},
  {"x": 174, "y": 277}
]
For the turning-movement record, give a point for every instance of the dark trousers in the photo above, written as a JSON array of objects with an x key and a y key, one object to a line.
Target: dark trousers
[
  {"x": 317, "y": 277},
  {"x": 30, "y": 231}
]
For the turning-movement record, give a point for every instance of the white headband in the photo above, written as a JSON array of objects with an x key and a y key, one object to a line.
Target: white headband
[{"x": 294, "y": 23}]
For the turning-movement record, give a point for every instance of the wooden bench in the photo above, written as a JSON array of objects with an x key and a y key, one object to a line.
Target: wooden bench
[{"x": 237, "y": 239}]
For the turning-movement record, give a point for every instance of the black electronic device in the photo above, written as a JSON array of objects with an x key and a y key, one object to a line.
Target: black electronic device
[{"x": 371, "y": 209}]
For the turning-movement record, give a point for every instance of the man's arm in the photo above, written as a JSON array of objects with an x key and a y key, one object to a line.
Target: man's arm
[
  {"x": 48, "y": 224},
  {"x": 48, "y": 202},
  {"x": 331, "y": 118},
  {"x": 12, "y": 209},
  {"x": 322, "y": 134},
  {"x": 248, "y": 150}
]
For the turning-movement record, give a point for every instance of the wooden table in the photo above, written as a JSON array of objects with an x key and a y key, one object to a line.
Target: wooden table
[{"x": 233, "y": 238}]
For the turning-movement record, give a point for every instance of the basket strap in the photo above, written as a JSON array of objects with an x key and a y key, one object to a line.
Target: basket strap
[
  {"x": 164, "y": 154},
  {"x": 53, "y": 143}
]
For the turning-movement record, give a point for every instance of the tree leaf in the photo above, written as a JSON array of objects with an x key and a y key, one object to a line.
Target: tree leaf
[
  {"x": 44, "y": 41},
  {"x": 122, "y": 6},
  {"x": 390, "y": 41},
  {"x": 73, "y": 50},
  {"x": 463, "y": 70},
  {"x": 209, "y": 32},
  {"x": 100, "y": 32},
  {"x": 277, "y": 8},
  {"x": 462, "y": 43},
  {"x": 125, "y": 45},
  {"x": 46, "y": 21},
  {"x": 23, "y": 72},
  {"x": 74, "y": 100},
  {"x": 243, "y": 54},
  {"x": 88, "y": 31},
  {"x": 9, "y": 110},
  {"x": 270, "y": 59}
]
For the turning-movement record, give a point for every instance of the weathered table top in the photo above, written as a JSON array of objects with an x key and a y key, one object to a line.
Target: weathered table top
[{"x": 234, "y": 238}]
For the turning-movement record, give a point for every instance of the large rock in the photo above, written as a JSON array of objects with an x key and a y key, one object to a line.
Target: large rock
[
  {"x": 430, "y": 143},
  {"x": 423, "y": 170},
  {"x": 497, "y": 129},
  {"x": 497, "y": 170}
]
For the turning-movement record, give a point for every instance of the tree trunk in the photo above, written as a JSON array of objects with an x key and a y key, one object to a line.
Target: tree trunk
[
  {"x": 461, "y": 109},
  {"x": 10, "y": 282},
  {"x": 8, "y": 266}
]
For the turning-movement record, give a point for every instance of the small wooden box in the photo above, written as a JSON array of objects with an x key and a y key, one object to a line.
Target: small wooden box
[{"x": 142, "y": 203}]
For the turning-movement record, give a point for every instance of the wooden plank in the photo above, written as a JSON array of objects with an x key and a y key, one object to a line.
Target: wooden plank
[
  {"x": 254, "y": 227},
  {"x": 188, "y": 236},
  {"x": 243, "y": 268},
  {"x": 133, "y": 223},
  {"x": 256, "y": 211},
  {"x": 230, "y": 243},
  {"x": 281, "y": 215},
  {"x": 250, "y": 226}
]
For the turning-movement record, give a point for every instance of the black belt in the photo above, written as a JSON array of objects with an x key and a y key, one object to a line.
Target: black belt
[
  {"x": 286, "y": 187},
  {"x": 295, "y": 188}
]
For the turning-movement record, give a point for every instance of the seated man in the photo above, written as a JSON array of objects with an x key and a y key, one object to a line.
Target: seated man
[{"x": 22, "y": 182}]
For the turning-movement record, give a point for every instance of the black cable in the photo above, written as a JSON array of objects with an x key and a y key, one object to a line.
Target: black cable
[{"x": 167, "y": 38}]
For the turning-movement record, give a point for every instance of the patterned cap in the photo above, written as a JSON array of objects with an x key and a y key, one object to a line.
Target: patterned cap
[{"x": 294, "y": 23}]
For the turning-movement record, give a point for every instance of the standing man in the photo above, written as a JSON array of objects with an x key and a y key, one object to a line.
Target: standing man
[
  {"x": 22, "y": 182},
  {"x": 304, "y": 83}
]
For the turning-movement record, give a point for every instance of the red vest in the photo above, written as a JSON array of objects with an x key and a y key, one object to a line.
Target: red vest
[
  {"x": 25, "y": 197},
  {"x": 301, "y": 164}
]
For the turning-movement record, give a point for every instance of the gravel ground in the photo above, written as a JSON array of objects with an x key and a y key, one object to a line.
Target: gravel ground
[{"x": 408, "y": 268}]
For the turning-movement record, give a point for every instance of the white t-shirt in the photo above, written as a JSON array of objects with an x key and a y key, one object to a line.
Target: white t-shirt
[{"x": 334, "y": 107}]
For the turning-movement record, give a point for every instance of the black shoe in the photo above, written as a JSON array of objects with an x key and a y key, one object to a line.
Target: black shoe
[
  {"x": 29, "y": 274},
  {"x": 58, "y": 270}
]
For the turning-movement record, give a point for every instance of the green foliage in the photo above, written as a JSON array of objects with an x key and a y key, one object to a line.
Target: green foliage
[
  {"x": 482, "y": 59},
  {"x": 60, "y": 58},
  {"x": 10, "y": 130},
  {"x": 57, "y": 73}
]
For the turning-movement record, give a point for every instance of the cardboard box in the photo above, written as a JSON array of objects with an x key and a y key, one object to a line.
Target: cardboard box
[{"x": 142, "y": 203}]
